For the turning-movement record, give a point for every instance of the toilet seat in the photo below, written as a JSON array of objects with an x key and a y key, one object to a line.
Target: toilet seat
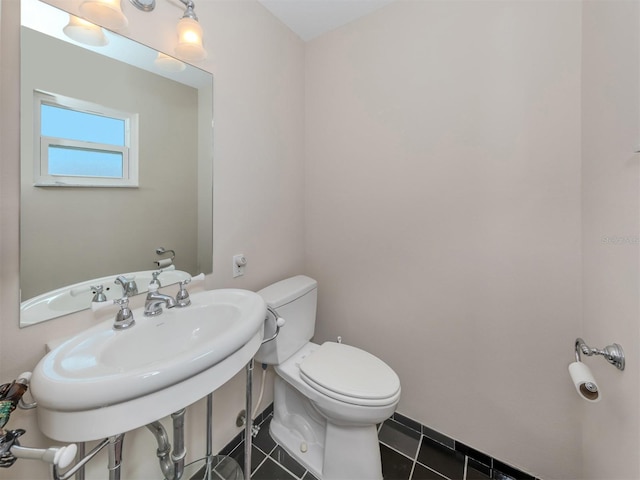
[{"x": 350, "y": 375}]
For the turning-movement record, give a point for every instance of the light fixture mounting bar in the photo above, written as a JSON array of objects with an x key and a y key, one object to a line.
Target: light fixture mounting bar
[
  {"x": 144, "y": 5},
  {"x": 189, "y": 12}
]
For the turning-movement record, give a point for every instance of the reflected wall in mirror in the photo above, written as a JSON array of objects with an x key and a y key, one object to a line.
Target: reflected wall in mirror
[{"x": 71, "y": 234}]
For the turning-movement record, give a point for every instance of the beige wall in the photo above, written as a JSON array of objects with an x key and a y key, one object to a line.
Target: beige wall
[
  {"x": 258, "y": 147},
  {"x": 443, "y": 214},
  {"x": 611, "y": 217}
]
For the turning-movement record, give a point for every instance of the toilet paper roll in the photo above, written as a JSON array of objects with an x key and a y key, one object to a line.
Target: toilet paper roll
[
  {"x": 165, "y": 262},
  {"x": 584, "y": 382}
]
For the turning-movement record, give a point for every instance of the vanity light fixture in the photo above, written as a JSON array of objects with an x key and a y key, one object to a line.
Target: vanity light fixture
[
  {"x": 190, "y": 35},
  {"x": 189, "y": 30},
  {"x": 105, "y": 12},
  {"x": 109, "y": 14},
  {"x": 85, "y": 32}
]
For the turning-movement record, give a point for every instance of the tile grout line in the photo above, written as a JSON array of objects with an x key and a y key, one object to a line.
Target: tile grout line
[
  {"x": 417, "y": 462},
  {"x": 413, "y": 469},
  {"x": 466, "y": 463},
  {"x": 415, "y": 458},
  {"x": 258, "y": 467}
]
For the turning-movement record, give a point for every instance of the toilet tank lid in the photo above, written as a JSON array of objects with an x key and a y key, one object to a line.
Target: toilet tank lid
[{"x": 288, "y": 290}]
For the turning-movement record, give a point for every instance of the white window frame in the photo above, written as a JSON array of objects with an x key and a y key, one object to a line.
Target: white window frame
[{"x": 129, "y": 151}]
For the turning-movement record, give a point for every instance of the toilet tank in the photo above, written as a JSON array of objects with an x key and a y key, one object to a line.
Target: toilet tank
[{"x": 294, "y": 299}]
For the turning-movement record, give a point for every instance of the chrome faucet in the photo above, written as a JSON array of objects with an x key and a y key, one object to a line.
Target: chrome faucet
[
  {"x": 182, "y": 297},
  {"x": 155, "y": 301},
  {"x": 129, "y": 287},
  {"x": 154, "y": 280},
  {"x": 98, "y": 293},
  {"x": 124, "y": 318}
]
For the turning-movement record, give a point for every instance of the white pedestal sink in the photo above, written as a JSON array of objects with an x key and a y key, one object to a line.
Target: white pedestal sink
[{"x": 103, "y": 382}]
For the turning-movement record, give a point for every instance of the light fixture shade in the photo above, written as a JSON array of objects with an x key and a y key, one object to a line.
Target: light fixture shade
[
  {"x": 85, "y": 32},
  {"x": 105, "y": 12},
  {"x": 169, "y": 64},
  {"x": 190, "y": 40}
]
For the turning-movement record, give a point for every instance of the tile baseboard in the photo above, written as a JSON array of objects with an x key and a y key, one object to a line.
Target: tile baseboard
[
  {"x": 484, "y": 465},
  {"x": 409, "y": 450}
]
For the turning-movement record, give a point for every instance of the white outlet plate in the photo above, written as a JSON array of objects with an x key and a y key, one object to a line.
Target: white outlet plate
[{"x": 239, "y": 265}]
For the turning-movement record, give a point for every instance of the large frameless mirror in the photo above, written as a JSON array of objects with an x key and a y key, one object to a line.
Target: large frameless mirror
[{"x": 116, "y": 162}]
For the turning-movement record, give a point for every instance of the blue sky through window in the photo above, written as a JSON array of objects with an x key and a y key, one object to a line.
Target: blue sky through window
[
  {"x": 87, "y": 127},
  {"x": 84, "y": 163}
]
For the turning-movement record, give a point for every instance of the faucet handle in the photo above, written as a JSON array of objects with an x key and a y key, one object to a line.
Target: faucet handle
[
  {"x": 99, "y": 295},
  {"x": 154, "y": 280},
  {"x": 121, "y": 302},
  {"x": 124, "y": 318},
  {"x": 182, "y": 297},
  {"x": 196, "y": 279}
]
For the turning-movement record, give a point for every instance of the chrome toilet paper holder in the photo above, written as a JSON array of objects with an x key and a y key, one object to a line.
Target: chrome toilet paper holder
[{"x": 612, "y": 353}]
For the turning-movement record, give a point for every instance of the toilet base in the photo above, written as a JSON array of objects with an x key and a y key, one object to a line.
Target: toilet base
[{"x": 329, "y": 451}]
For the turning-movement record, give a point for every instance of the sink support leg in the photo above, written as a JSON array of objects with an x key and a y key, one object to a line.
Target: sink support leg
[
  {"x": 248, "y": 424},
  {"x": 179, "y": 450},
  {"x": 114, "y": 450},
  {"x": 81, "y": 454}
]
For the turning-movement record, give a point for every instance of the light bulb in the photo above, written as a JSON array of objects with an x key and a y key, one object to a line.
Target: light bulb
[
  {"x": 85, "y": 32},
  {"x": 105, "y": 12},
  {"x": 190, "y": 40}
]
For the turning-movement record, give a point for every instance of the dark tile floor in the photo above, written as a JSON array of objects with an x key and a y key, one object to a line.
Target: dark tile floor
[{"x": 407, "y": 454}]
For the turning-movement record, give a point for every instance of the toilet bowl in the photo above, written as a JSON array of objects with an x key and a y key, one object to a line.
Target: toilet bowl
[{"x": 329, "y": 398}]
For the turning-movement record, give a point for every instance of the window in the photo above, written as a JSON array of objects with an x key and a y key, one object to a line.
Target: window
[{"x": 82, "y": 144}]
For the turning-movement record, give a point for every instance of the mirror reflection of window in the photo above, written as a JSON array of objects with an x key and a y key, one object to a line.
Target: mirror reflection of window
[
  {"x": 84, "y": 144},
  {"x": 99, "y": 232}
]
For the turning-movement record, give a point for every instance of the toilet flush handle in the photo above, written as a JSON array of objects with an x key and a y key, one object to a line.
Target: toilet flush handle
[{"x": 279, "y": 323}]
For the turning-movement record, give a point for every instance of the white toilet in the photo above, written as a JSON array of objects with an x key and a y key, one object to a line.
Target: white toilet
[{"x": 329, "y": 398}]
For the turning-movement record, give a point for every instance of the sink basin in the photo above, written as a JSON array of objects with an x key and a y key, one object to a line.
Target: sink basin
[{"x": 102, "y": 368}]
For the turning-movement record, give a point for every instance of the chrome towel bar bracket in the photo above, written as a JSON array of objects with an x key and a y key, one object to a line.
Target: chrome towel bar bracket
[{"x": 612, "y": 353}]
